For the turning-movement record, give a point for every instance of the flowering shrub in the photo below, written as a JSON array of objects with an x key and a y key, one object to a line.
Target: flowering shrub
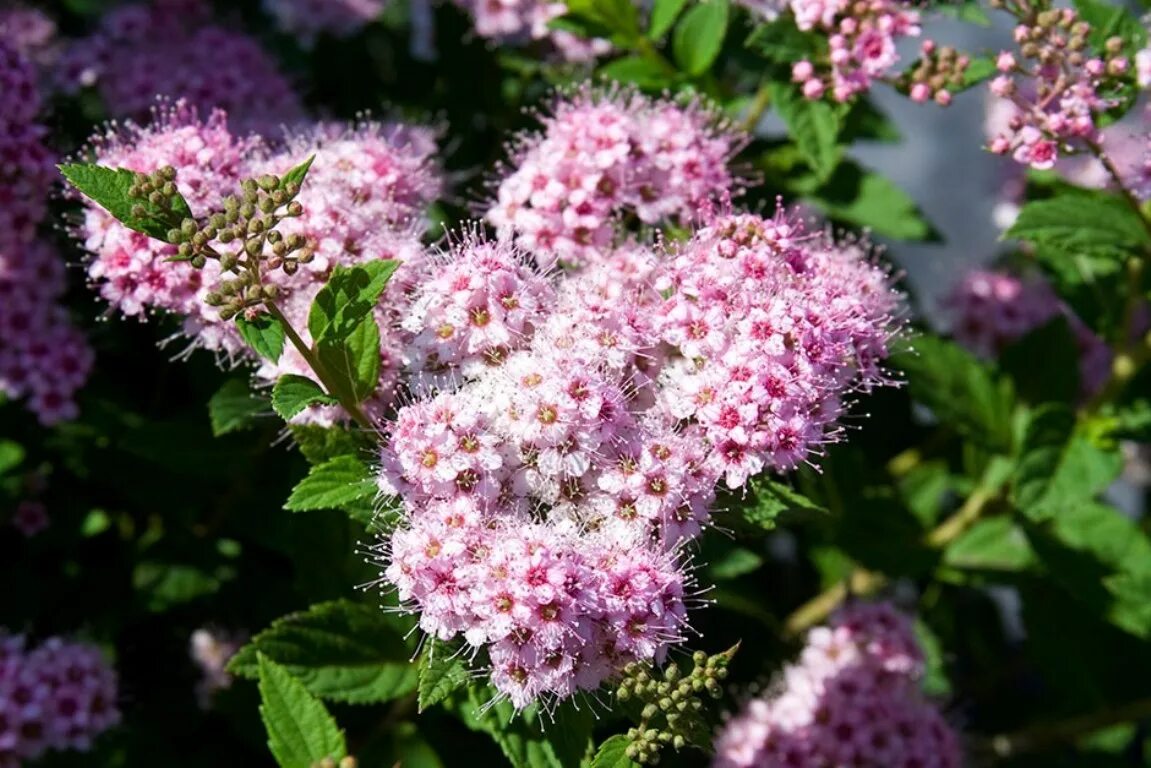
[{"x": 537, "y": 383}]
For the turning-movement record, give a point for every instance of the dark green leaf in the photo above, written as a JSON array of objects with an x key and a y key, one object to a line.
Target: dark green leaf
[
  {"x": 960, "y": 390},
  {"x": 347, "y": 299},
  {"x": 769, "y": 499},
  {"x": 341, "y": 651},
  {"x": 617, "y": 20},
  {"x": 292, "y": 394},
  {"x": 782, "y": 43},
  {"x": 1059, "y": 468},
  {"x": 265, "y": 334},
  {"x": 1108, "y": 21},
  {"x": 995, "y": 544},
  {"x": 613, "y": 754},
  {"x": 334, "y": 484},
  {"x": 442, "y": 672},
  {"x": 1075, "y": 220},
  {"x": 11, "y": 454},
  {"x": 934, "y": 682},
  {"x": 639, "y": 70},
  {"x": 865, "y": 198},
  {"x": 300, "y": 730},
  {"x": 234, "y": 407},
  {"x": 663, "y": 16},
  {"x": 812, "y": 125},
  {"x": 699, "y": 36},
  {"x": 109, "y": 188},
  {"x": 1044, "y": 364},
  {"x": 970, "y": 12},
  {"x": 319, "y": 444}
]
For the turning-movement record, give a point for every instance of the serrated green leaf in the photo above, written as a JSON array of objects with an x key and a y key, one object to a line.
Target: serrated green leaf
[
  {"x": 961, "y": 391},
  {"x": 617, "y": 20},
  {"x": 1058, "y": 467},
  {"x": 109, "y": 187},
  {"x": 1108, "y": 21},
  {"x": 783, "y": 43},
  {"x": 934, "y": 681},
  {"x": 234, "y": 407},
  {"x": 613, "y": 754},
  {"x": 320, "y": 444},
  {"x": 292, "y": 394},
  {"x": 265, "y": 334},
  {"x": 812, "y": 125},
  {"x": 300, "y": 730},
  {"x": 349, "y": 296},
  {"x": 663, "y": 16},
  {"x": 769, "y": 499},
  {"x": 337, "y": 482},
  {"x": 995, "y": 544},
  {"x": 354, "y": 360},
  {"x": 867, "y": 199},
  {"x": 524, "y": 743},
  {"x": 1080, "y": 220},
  {"x": 299, "y": 173},
  {"x": 442, "y": 672},
  {"x": 1044, "y": 364},
  {"x": 699, "y": 36},
  {"x": 341, "y": 651}
]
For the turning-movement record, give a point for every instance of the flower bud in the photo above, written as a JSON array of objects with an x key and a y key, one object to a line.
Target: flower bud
[
  {"x": 198, "y": 261},
  {"x": 294, "y": 208},
  {"x": 268, "y": 182}
]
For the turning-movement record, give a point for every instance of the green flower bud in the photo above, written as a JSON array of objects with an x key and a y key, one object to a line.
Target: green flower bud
[
  {"x": 157, "y": 198},
  {"x": 679, "y": 742},
  {"x": 213, "y": 299},
  {"x": 291, "y": 267},
  {"x": 227, "y": 313},
  {"x": 138, "y": 211},
  {"x": 168, "y": 173},
  {"x": 268, "y": 182},
  {"x": 294, "y": 208},
  {"x": 266, "y": 205},
  {"x": 292, "y": 188},
  {"x": 271, "y": 292},
  {"x": 198, "y": 261},
  {"x": 175, "y": 236},
  {"x": 649, "y": 711},
  {"x": 253, "y": 248}
]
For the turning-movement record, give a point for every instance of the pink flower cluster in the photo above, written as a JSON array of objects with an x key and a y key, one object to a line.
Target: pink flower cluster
[
  {"x": 862, "y": 38},
  {"x": 364, "y": 199},
  {"x": 43, "y": 358},
  {"x": 31, "y": 32},
  {"x": 1056, "y": 86},
  {"x": 56, "y": 696},
  {"x": 852, "y": 698},
  {"x": 308, "y": 19},
  {"x": 590, "y": 422},
  {"x": 603, "y": 155},
  {"x": 992, "y": 309},
  {"x": 171, "y": 48},
  {"x": 518, "y": 22}
]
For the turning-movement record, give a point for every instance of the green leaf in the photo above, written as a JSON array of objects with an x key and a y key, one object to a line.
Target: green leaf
[
  {"x": 663, "y": 16},
  {"x": 349, "y": 297},
  {"x": 733, "y": 563},
  {"x": 812, "y": 125},
  {"x": 994, "y": 544},
  {"x": 524, "y": 743},
  {"x": 769, "y": 499},
  {"x": 783, "y": 43},
  {"x": 613, "y": 754},
  {"x": 109, "y": 188},
  {"x": 234, "y": 407},
  {"x": 1044, "y": 364},
  {"x": 961, "y": 391},
  {"x": 354, "y": 360},
  {"x": 638, "y": 70},
  {"x": 299, "y": 173},
  {"x": 1079, "y": 220},
  {"x": 970, "y": 12},
  {"x": 320, "y": 444},
  {"x": 617, "y": 20},
  {"x": 442, "y": 672},
  {"x": 292, "y": 394},
  {"x": 265, "y": 334},
  {"x": 699, "y": 36},
  {"x": 337, "y": 482},
  {"x": 11, "y": 454},
  {"x": 1108, "y": 21},
  {"x": 300, "y": 730},
  {"x": 934, "y": 682},
  {"x": 165, "y": 585},
  {"x": 865, "y": 198},
  {"x": 342, "y": 651},
  {"x": 1059, "y": 468}
]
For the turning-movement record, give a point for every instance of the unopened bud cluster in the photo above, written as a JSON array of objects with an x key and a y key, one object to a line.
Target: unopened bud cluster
[
  {"x": 939, "y": 69},
  {"x": 1057, "y": 84},
  {"x": 242, "y": 236},
  {"x": 327, "y": 762},
  {"x": 672, "y": 703}
]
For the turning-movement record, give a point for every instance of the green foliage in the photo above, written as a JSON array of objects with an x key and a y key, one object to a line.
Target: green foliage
[
  {"x": 109, "y": 187},
  {"x": 1044, "y": 364},
  {"x": 767, "y": 500},
  {"x": 292, "y": 394},
  {"x": 300, "y": 730},
  {"x": 813, "y": 125},
  {"x": 264, "y": 333},
  {"x": 1094, "y": 225},
  {"x": 442, "y": 673},
  {"x": 234, "y": 407},
  {"x": 663, "y": 17},
  {"x": 613, "y": 754},
  {"x": 338, "y": 482},
  {"x": 342, "y": 651},
  {"x": 699, "y": 36}
]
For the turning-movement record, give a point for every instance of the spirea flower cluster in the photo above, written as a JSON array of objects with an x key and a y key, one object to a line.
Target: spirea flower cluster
[
  {"x": 862, "y": 38},
  {"x": 364, "y": 200},
  {"x": 603, "y": 155},
  {"x": 31, "y": 33},
  {"x": 171, "y": 48},
  {"x": 991, "y": 309},
  {"x": 547, "y": 495},
  {"x": 1057, "y": 87},
  {"x": 58, "y": 695},
  {"x": 852, "y": 698},
  {"x": 308, "y": 19},
  {"x": 518, "y": 22},
  {"x": 43, "y": 358}
]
